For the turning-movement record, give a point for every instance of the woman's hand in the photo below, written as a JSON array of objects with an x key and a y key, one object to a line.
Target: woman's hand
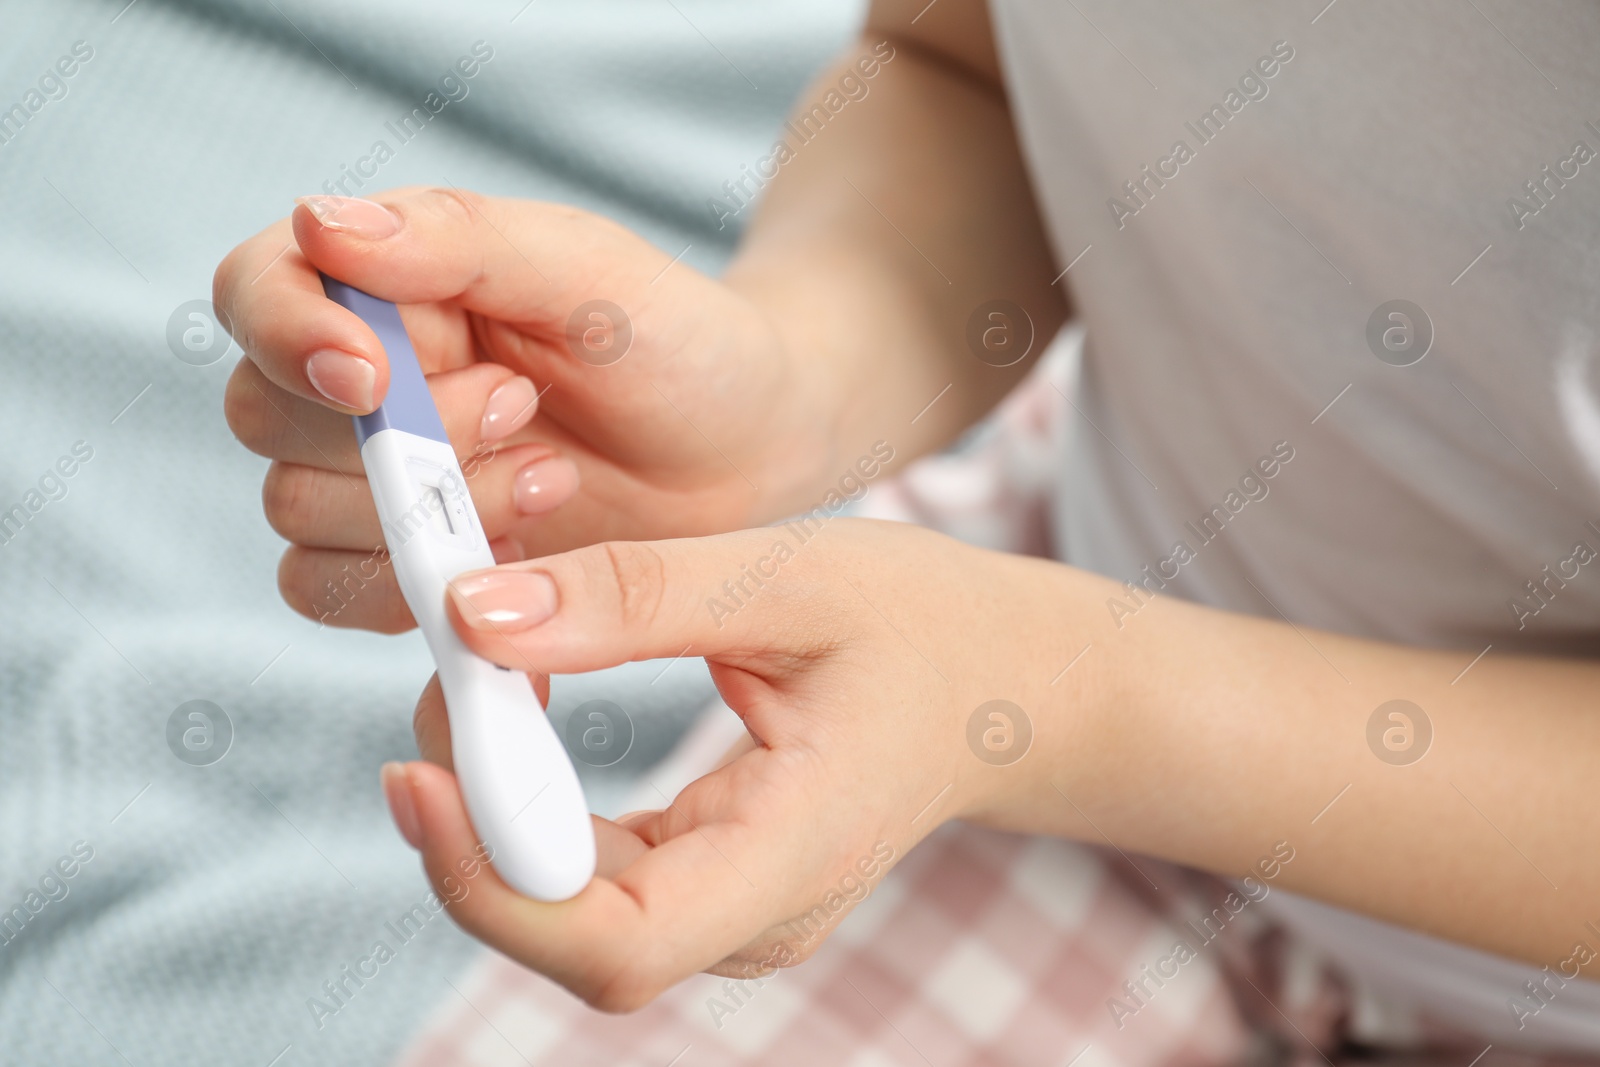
[
  {"x": 856, "y": 656},
  {"x": 863, "y": 658},
  {"x": 660, "y": 410}
]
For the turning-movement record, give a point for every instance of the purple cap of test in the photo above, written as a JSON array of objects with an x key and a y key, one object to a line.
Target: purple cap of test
[{"x": 408, "y": 405}]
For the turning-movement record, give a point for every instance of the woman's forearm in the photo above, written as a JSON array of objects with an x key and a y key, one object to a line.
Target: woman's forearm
[
  {"x": 880, "y": 237},
  {"x": 1220, "y": 735}
]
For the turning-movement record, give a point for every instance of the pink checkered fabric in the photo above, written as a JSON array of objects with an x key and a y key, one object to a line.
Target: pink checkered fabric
[{"x": 979, "y": 948}]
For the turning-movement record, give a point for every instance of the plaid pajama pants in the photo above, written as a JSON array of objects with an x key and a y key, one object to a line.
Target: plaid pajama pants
[{"x": 980, "y": 948}]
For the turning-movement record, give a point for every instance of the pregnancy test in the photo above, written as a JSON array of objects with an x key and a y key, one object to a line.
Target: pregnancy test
[{"x": 521, "y": 790}]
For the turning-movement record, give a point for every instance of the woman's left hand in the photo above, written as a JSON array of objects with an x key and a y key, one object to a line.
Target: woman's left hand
[{"x": 858, "y": 654}]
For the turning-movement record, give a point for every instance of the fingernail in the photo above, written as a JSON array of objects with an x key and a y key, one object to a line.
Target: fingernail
[
  {"x": 397, "y": 788},
  {"x": 545, "y": 484},
  {"x": 504, "y": 601},
  {"x": 353, "y": 216},
  {"x": 509, "y": 409},
  {"x": 342, "y": 378}
]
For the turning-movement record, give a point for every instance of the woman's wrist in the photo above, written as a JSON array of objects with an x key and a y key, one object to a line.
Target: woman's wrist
[{"x": 1077, "y": 690}]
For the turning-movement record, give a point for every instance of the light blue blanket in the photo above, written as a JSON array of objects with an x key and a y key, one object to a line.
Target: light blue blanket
[{"x": 163, "y": 912}]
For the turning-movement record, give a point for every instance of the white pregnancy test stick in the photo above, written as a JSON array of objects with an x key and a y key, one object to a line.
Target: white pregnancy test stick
[{"x": 521, "y": 791}]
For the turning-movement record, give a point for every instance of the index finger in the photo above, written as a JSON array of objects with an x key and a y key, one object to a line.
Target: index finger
[{"x": 270, "y": 298}]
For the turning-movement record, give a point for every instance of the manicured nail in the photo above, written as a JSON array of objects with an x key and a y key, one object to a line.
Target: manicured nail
[
  {"x": 344, "y": 379},
  {"x": 504, "y": 601},
  {"x": 353, "y": 216},
  {"x": 508, "y": 410},
  {"x": 397, "y": 788},
  {"x": 545, "y": 484}
]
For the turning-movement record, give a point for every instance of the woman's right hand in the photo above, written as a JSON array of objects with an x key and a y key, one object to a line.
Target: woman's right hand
[{"x": 698, "y": 424}]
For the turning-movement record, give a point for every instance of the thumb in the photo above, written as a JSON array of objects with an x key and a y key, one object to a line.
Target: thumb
[
  {"x": 512, "y": 260},
  {"x": 720, "y": 597}
]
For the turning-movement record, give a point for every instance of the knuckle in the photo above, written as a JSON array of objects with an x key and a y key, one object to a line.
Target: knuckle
[
  {"x": 393, "y": 614},
  {"x": 794, "y": 956},
  {"x": 295, "y": 581},
  {"x": 244, "y": 411},
  {"x": 422, "y": 720},
  {"x": 288, "y": 498},
  {"x": 638, "y": 572},
  {"x": 627, "y": 992},
  {"x": 222, "y": 278},
  {"x": 339, "y": 590},
  {"x": 460, "y": 205},
  {"x": 601, "y": 225},
  {"x": 225, "y": 279},
  {"x": 425, "y": 719}
]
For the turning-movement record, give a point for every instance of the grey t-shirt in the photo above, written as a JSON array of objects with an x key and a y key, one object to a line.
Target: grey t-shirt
[{"x": 1339, "y": 267}]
